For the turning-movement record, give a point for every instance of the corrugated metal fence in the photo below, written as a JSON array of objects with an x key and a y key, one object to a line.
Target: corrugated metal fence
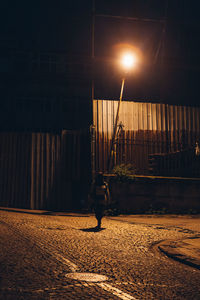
[
  {"x": 146, "y": 128},
  {"x": 44, "y": 170}
]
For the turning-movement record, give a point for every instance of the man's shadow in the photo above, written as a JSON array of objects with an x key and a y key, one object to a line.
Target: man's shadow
[{"x": 92, "y": 229}]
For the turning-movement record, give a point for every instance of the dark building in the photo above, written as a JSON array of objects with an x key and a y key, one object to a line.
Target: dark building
[
  {"x": 46, "y": 68},
  {"x": 48, "y": 58},
  {"x": 43, "y": 91}
]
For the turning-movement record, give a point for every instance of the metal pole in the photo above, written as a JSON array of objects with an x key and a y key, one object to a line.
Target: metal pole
[{"x": 115, "y": 128}]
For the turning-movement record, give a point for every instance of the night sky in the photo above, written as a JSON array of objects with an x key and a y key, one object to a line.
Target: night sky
[{"x": 169, "y": 71}]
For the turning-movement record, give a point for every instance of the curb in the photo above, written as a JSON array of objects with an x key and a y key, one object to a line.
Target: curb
[{"x": 175, "y": 250}]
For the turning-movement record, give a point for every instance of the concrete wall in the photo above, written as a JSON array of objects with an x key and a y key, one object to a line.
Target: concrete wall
[{"x": 149, "y": 194}]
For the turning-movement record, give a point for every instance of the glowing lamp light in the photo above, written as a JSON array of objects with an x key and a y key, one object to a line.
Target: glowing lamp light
[{"x": 128, "y": 61}]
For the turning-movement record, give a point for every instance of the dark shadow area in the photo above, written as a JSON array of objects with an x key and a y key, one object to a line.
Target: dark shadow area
[
  {"x": 24, "y": 212},
  {"x": 50, "y": 213},
  {"x": 92, "y": 229},
  {"x": 63, "y": 214},
  {"x": 70, "y": 173}
]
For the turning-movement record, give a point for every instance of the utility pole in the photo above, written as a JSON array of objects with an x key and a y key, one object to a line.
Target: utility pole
[{"x": 113, "y": 142}]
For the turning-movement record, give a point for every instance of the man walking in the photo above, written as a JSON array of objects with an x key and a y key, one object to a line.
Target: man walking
[{"x": 101, "y": 197}]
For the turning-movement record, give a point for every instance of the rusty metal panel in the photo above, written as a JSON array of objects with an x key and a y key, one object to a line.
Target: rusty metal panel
[
  {"x": 35, "y": 168},
  {"x": 14, "y": 169},
  {"x": 135, "y": 117},
  {"x": 154, "y": 117},
  {"x": 148, "y": 128},
  {"x": 95, "y": 112},
  {"x": 198, "y": 122}
]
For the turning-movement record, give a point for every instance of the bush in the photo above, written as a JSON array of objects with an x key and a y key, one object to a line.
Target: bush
[{"x": 123, "y": 172}]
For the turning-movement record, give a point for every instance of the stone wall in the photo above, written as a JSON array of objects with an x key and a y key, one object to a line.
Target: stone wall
[{"x": 141, "y": 194}]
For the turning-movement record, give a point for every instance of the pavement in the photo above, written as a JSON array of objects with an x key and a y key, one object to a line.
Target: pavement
[{"x": 186, "y": 251}]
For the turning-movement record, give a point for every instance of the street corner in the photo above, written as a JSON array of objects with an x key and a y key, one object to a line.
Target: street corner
[{"x": 186, "y": 251}]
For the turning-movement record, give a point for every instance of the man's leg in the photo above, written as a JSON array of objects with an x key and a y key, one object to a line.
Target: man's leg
[
  {"x": 99, "y": 222},
  {"x": 99, "y": 216}
]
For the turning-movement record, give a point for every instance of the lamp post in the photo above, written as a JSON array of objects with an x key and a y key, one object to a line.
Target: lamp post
[{"x": 128, "y": 61}]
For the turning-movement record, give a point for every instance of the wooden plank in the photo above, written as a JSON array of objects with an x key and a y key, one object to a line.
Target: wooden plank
[
  {"x": 171, "y": 128},
  {"x": 106, "y": 149},
  {"x": 179, "y": 127},
  {"x": 32, "y": 200},
  {"x": 95, "y": 113},
  {"x": 23, "y": 178},
  {"x": 1, "y": 170},
  {"x": 99, "y": 130},
  {"x": 75, "y": 151},
  {"x": 184, "y": 116},
  {"x": 143, "y": 142},
  {"x": 108, "y": 133},
  {"x": 37, "y": 173},
  {"x": 175, "y": 129},
  {"x": 129, "y": 147},
  {"x": 96, "y": 142},
  {"x": 5, "y": 169},
  {"x": 127, "y": 118},
  {"x": 78, "y": 159},
  {"x": 13, "y": 173},
  {"x": 154, "y": 117},
  {"x": 18, "y": 168},
  {"x": 52, "y": 162},
  {"x": 163, "y": 135},
  {"x": 68, "y": 155},
  {"x": 63, "y": 168},
  {"x": 147, "y": 135},
  {"x": 58, "y": 172},
  {"x": 95, "y": 122},
  {"x": 131, "y": 117},
  {"x": 9, "y": 169},
  {"x": 145, "y": 128},
  {"x": 48, "y": 167},
  {"x": 104, "y": 133},
  {"x": 29, "y": 141},
  {"x": 135, "y": 116},
  {"x": 110, "y": 117},
  {"x": 189, "y": 127},
  {"x": 42, "y": 189},
  {"x": 27, "y": 169},
  {"x": 154, "y": 127},
  {"x": 151, "y": 127},
  {"x": 198, "y": 121},
  {"x": 145, "y": 116},
  {"x": 167, "y": 149},
  {"x": 193, "y": 125},
  {"x": 158, "y": 113}
]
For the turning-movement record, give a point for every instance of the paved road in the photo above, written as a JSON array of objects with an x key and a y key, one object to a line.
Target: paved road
[{"x": 37, "y": 251}]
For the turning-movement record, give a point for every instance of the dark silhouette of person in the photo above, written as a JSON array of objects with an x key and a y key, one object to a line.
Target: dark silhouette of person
[{"x": 101, "y": 197}]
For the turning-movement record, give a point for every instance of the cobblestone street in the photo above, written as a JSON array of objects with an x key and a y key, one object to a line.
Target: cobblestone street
[{"x": 38, "y": 251}]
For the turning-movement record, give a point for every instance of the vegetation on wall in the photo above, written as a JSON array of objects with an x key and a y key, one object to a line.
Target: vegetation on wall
[{"x": 124, "y": 172}]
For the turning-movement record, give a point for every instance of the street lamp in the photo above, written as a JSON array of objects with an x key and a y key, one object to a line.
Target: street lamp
[{"x": 127, "y": 61}]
